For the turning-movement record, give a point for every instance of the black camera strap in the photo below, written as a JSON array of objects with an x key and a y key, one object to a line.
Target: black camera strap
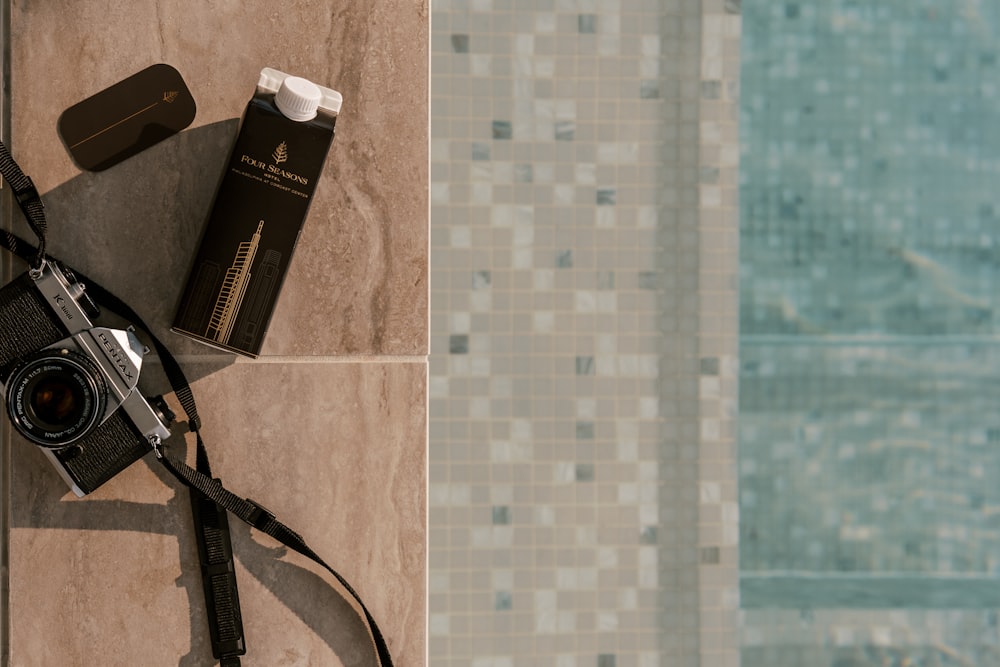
[
  {"x": 213, "y": 530},
  {"x": 27, "y": 198},
  {"x": 210, "y": 500}
]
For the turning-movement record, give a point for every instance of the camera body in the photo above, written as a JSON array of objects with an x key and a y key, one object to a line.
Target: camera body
[{"x": 71, "y": 387}]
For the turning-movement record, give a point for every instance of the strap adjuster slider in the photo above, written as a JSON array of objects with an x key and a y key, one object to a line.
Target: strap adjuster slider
[
  {"x": 259, "y": 516},
  {"x": 27, "y": 194}
]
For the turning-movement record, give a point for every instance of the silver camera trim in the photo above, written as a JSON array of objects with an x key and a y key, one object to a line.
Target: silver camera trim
[
  {"x": 117, "y": 353},
  {"x": 62, "y": 296}
]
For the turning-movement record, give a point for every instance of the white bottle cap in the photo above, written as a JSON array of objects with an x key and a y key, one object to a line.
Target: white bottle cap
[
  {"x": 298, "y": 98},
  {"x": 271, "y": 80}
]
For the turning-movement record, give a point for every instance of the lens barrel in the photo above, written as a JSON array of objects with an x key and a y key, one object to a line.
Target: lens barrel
[{"x": 56, "y": 397}]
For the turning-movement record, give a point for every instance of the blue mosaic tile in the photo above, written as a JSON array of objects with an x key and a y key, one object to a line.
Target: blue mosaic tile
[
  {"x": 606, "y": 196},
  {"x": 503, "y": 601},
  {"x": 460, "y": 43},
  {"x": 501, "y": 515},
  {"x": 458, "y": 344},
  {"x": 649, "y": 90},
  {"x": 565, "y": 130},
  {"x": 480, "y": 151},
  {"x": 869, "y": 329},
  {"x": 502, "y": 129},
  {"x": 481, "y": 279}
]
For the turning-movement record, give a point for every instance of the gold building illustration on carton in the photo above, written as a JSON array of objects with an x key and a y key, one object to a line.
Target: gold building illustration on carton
[{"x": 234, "y": 286}]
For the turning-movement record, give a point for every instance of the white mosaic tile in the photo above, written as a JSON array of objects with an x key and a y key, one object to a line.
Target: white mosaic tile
[{"x": 556, "y": 143}]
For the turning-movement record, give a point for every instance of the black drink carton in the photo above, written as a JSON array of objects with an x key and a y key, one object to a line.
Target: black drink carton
[{"x": 258, "y": 212}]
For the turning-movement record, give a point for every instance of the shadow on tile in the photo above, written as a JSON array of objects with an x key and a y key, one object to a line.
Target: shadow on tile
[
  {"x": 308, "y": 596},
  {"x": 145, "y": 266},
  {"x": 135, "y": 228}
]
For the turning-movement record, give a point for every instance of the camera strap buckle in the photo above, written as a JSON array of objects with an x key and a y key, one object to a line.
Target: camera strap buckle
[
  {"x": 259, "y": 517},
  {"x": 26, "y": 193}
]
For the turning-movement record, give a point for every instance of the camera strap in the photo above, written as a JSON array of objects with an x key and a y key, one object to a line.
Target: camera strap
[
  {"x": 30, "y": 202},
  {"x": 210, "y": 500}
]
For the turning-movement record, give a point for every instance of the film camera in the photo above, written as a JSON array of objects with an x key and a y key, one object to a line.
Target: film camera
[{"x": 71, "y": 387}]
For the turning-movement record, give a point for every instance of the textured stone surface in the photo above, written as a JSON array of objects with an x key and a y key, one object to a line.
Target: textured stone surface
[
  {"x": 341, "y": 459},
  {"x": 328, "y": 429},
  {"x": 358, "y": 280}
]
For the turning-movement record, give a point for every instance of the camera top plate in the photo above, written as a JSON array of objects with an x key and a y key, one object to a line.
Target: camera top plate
[{"x": 63, "y": 297}]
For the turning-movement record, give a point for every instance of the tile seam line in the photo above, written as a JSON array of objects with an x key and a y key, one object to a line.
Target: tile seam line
[{"x": 303, "y": 359}]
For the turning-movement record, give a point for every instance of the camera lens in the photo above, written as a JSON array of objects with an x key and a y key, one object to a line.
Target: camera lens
[{"x": 56, "y": 398}]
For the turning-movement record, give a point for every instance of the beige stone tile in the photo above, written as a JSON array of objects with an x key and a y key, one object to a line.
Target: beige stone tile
[
  {"x": 335, "y": 450},
  {"x": 358, "y": 281}
]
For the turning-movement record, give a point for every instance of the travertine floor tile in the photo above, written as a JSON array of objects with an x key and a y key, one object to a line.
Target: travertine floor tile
[
  {"x": 336, "y": 448},
  {"x": 358, "y": 280},
  {"x": 115, "y": 575}
]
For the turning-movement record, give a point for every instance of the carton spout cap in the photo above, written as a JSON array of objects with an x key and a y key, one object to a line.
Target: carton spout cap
[{"x": 298, "y": 98}]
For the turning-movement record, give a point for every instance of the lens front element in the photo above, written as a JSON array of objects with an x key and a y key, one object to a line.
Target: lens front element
[{"x": 56, "y": 398}]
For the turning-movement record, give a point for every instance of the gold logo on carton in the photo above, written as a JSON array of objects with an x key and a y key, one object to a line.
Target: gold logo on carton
[{"x": 280, "y": 153}]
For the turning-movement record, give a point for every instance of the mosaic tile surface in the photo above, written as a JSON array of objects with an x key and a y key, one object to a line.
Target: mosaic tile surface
[
  {"x": 581, "y": 380},
  {"x": 868, "y": 333}
]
